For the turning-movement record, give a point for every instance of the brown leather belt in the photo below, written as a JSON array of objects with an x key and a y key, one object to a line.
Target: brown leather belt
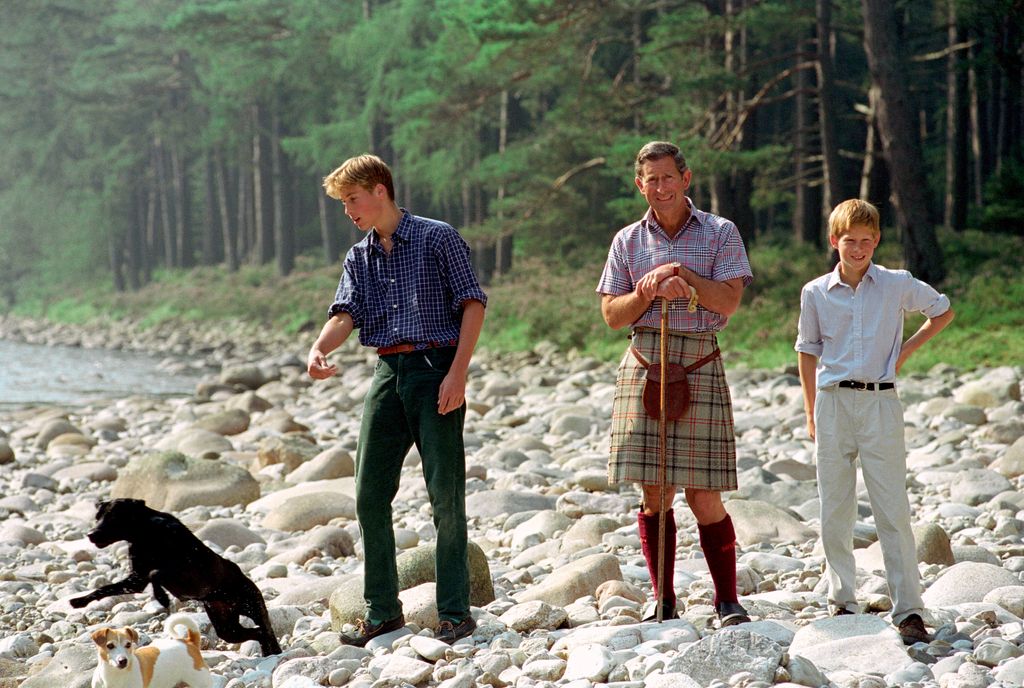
[{"x": 407, "y": 348}]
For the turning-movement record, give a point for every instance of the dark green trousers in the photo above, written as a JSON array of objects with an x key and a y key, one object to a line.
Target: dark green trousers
[{"x": 401, "y": 410}]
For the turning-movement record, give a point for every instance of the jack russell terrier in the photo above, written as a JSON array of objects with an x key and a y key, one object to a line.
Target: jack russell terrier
[{"x": 166, "y": 663}]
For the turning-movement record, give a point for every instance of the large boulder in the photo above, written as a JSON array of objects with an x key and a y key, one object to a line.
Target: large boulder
[
  {"x": 71, "y": 667},
  {"x": 416, "y": 566},
  {"x": 292, "y": 451},
  {"x": 173, "y": 481},
  {"x": 229, "y": 422},
  {"x": 756, "y": 522},
  {"x": 574, "y": 580},
  {"x": 303, "y": 512},
  {"x": 968, "y": 581}
]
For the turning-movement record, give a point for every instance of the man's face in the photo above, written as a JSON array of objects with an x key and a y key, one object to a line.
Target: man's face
[
  {"x": 664, "y": 186},
  {"x": 856, "y": 247},
  {"x": 364, "y": 207}
]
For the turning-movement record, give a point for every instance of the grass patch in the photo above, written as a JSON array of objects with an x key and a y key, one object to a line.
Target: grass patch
[{"x": 542, "y": 300}]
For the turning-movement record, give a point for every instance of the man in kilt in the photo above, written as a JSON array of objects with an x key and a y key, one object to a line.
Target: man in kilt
[{"x": 673, "y": 248}]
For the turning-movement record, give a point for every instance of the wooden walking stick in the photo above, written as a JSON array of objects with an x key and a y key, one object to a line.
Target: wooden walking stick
[{"x": 662, "y": 458}]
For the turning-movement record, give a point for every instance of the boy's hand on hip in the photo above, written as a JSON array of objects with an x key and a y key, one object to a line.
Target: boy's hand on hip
[{"x": 452, "y": 394}]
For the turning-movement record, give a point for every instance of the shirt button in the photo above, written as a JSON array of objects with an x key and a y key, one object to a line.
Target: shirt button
[
  {"x": 395, "y": 306},
  {"x": 392, "y": 281}
]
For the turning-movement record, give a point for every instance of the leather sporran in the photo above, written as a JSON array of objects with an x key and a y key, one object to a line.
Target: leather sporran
[{"x": 677, "y": 396}]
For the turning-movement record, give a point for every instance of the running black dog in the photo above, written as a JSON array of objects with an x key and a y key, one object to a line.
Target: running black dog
[{"x": 164, "y": 553}]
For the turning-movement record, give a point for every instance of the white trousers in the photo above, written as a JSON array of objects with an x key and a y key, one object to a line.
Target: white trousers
[{"x": 851, "y": 423}]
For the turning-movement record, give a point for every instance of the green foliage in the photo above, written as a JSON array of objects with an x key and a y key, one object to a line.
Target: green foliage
[{"x": 1004, "y": 200}]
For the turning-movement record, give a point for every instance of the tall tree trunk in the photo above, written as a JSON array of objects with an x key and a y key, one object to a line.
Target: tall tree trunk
[
  {"x": 1008, "y": 56},
  {"x": 502, "y": 145},
  {"x": 261, "y": 183},
  {"x": 182, "y": 207},
  {"x": 165, "y": 206},
  {"x": 327, "y": 237},
  {"x": 282, "y": 238},
  {"x": 227, "y": 233},
  {"x": 874, "y": 179},
  {"x": 742, "y": 179},
  {"x": 806, "y": 214},
  {"x": 210, "y": 243},
  {"x": 828, "y": 110},
  {"x": 977, "y": 151},
  {"x": 246, "y": 233},
  {"x": 149, "y": 250},
  {"x": 133, "y": 240},
  {"x": 899, "y": 141},
  {"x": 955, "y": 207}
]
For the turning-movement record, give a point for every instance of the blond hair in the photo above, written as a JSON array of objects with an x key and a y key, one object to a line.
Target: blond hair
[
  {"x": 850, "y": 213},
  {"x": 366, "y": 171}
]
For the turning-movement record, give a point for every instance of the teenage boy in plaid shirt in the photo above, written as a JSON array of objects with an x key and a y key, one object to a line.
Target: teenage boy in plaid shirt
[
  {"x": 673, "y": 248},
  {"x": 409, "y": 288}
]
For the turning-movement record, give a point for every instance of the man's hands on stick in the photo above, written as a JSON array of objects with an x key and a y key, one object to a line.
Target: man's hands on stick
[{"x": 663, "y": 282}]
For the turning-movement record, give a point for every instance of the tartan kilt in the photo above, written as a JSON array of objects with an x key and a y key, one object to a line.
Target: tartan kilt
[{"x": 701, "y": 451}]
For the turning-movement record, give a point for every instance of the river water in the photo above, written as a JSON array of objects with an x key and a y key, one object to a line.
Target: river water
[{"x": 38, "y": 374}]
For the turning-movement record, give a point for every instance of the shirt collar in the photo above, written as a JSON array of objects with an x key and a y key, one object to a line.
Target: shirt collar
[
  {"x": 651, "y": 224},
  {"x": 835, "y": 279},
  {"x": 402, "y": 231}
]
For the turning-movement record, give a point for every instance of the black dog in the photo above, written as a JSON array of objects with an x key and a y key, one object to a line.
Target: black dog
[{"x": 164, "y": 553}]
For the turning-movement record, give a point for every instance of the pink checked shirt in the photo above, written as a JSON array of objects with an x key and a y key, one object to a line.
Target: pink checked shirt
[{"x": 708, "y": 244}]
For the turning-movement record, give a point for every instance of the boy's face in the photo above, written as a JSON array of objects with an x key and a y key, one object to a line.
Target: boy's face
[
  {"x": 664, "y": 186},
  {"x": 363, "y": 207},
  {"x": 856, "y": 247}
]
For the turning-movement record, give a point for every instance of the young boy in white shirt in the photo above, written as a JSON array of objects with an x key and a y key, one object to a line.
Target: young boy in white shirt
[{"x": 850, "y": 348}]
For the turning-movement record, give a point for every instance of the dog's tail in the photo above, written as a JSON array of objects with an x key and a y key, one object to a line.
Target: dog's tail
[{"x": 175, "y": 622}]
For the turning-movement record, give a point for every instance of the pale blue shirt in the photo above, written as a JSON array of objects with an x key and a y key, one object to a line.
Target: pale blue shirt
[{"x": 857, "y": 333}]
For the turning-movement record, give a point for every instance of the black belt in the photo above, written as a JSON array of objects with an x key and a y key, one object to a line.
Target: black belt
[{"x": 869, "y": 386}]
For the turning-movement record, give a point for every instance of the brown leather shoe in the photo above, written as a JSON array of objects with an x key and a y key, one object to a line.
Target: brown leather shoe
[
  {"x": 912, "y": 630},
  {"x": 367, "y": 630},
  {"x": 450, "y": 631},
  {"x": 841, "y": 611}
]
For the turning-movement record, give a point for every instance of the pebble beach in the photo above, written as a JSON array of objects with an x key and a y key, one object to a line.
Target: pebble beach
[{"x": 258, "y": 462}]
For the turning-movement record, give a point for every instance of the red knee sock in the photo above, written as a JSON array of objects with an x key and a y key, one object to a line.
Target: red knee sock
[
  {"x": 718, "y": 540},
  {"x": 648, "y": 526}
]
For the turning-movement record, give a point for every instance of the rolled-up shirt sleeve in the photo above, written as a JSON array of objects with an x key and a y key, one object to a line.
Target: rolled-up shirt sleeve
[
  {"x": 808, "y": 338},
  {"x": 347, "y": 298},
  {"x": 456, "y": 267},
  {"x": 615, "y": 278},
  {"x": 921, "y": 297},
  {"x": 731, "y": 261}
]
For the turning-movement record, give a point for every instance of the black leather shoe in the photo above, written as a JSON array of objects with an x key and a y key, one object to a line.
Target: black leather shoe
[
  {"x": 450, "y": 631},
  {"x": 912, "y": 630},
  {"x": 668, "y": 611},
  {"x": 367, "y": 630},
  {"x": 731, "y": 613}
]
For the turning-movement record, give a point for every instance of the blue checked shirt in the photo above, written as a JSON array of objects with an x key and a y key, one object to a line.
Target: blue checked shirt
[
  {"x": 707, "y": 244},
  {"x": 412, "y": 295}
]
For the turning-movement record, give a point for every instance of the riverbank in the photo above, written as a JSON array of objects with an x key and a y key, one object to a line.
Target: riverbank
[{"x": 264, "y": 474}]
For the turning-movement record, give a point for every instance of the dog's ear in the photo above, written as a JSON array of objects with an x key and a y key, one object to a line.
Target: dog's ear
[
  {"x": 133, "y": 634},
  {"x": 99, "y": 636}
]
